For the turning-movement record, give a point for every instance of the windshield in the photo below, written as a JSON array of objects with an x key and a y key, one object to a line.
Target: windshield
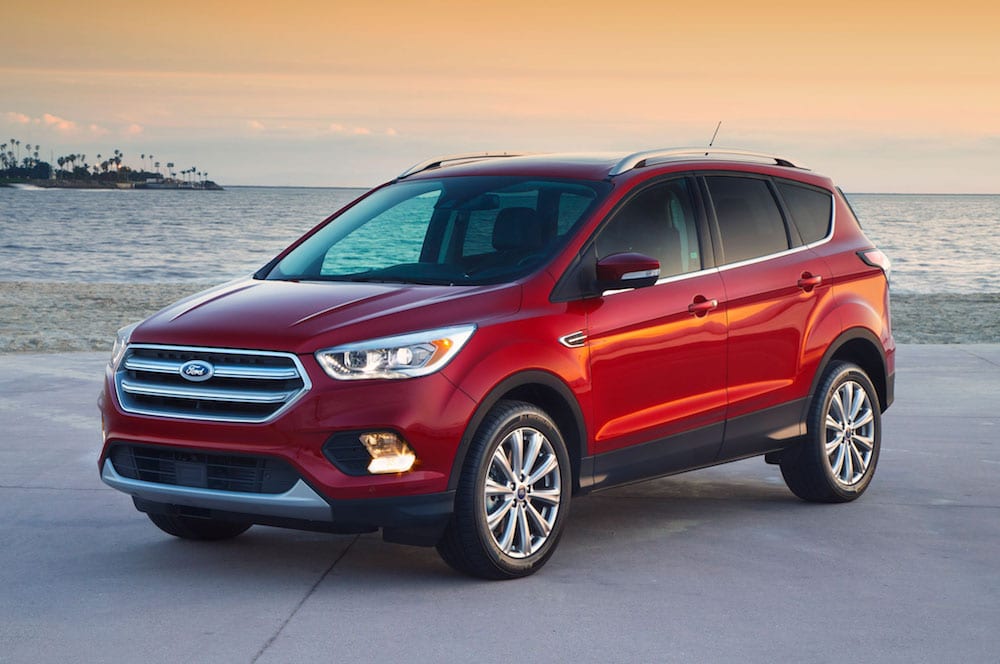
[{"x": 463, "y": 230}]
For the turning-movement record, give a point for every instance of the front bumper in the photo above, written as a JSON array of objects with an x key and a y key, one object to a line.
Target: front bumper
[{"x": 419, "y": 519}]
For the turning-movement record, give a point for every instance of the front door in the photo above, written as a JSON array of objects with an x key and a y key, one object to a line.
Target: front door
[{"x": 658, "y": 354}]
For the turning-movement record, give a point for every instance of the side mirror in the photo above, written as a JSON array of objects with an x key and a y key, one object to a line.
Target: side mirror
[{"x": 628, "y": 270}]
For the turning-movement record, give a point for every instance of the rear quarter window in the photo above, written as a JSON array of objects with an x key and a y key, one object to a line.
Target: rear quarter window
[{"x": 811, "y": 210}]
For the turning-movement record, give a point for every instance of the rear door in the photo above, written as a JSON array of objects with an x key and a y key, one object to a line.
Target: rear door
[{"x": 774, "y": 285}]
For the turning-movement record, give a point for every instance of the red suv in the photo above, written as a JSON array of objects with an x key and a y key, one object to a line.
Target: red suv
[{"x": 456, "y": 354}]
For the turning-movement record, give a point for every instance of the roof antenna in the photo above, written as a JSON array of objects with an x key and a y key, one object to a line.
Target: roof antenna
[{"x": 712, "y": 142}]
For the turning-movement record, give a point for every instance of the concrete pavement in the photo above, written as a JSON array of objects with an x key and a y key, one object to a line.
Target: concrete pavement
[{"x": 718, "y": 565}]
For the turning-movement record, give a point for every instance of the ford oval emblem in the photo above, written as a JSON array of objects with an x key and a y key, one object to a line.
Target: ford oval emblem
[{"x": 197, "y": 370}]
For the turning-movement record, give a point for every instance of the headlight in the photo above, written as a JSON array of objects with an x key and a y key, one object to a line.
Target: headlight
[
  {"x": 121, "y": 343},
  {"x": 403, "y": 356}
]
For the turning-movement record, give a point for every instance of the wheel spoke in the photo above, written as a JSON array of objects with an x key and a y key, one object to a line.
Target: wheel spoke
[
  {"x": 838, "y": 463},
  {"x": 506, "y": 540},
  {"x": 865, "y": 417},
  {"x": 858, "y": 398},
  {"x": 517, "y": 452},
  {"x": 541, "y": 524},
  {"x": 859, "y": 460},
  {"x": 501, "y": 463},
  {"x": 550, "y": 496},
  {"x": 531, "y": 454},
  {"x": 836, "y": 442},
  {"x": 865, "y": 441},
  {"x": 833, "y": 423},
  {"x": 495, "y": 489},
  {"x": 837, "y": 404},
  {"x": 523, "y": 531},
  {"x": 550, "y": 464},
  {"x": 494, "y": 518},
  {"x": 848, "y": 469}
]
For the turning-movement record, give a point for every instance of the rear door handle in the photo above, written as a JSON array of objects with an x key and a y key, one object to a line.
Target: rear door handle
[
  {"x": 702, "y": 305},
  {"x": 809, "y": 281}
]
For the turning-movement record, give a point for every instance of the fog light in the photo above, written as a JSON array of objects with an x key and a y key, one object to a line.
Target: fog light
[{"x": 389, "y": 453}]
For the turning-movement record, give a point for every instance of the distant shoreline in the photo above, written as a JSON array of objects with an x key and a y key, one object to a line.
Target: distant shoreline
[
  {"x": 96, "y": 184},
  {"x": 58, "y": 317}
]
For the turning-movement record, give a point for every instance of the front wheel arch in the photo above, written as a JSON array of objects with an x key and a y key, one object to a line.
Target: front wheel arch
[{"x": 543, "y": 390}]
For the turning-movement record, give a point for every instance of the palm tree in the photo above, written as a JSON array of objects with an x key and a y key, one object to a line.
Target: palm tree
[{"x": 157, "y": 168}]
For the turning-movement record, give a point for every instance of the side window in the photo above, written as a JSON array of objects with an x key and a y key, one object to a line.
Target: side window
[
  {"x": 659, "y": 222},
  {"x": 811, "y": 209},
  {"x": 750, "y": 221}
]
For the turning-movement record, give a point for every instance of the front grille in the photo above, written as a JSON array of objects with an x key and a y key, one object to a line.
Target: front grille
[
  {"x": 244, "y": 386},
  {"x": 203, "y": 470}
]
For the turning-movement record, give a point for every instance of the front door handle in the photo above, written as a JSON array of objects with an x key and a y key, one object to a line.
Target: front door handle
[
  {"x": 809, "y": 281},
  {"x": 702, "y": 305}
]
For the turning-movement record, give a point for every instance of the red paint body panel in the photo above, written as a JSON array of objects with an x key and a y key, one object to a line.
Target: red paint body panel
[{"x": 658, "y": 369}]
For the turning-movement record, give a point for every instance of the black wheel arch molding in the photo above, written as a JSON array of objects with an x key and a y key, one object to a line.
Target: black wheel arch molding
[{"x": 862, "y": 347}]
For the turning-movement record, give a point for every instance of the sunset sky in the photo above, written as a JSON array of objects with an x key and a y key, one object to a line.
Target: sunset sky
[{"x": 882, "y": 96}]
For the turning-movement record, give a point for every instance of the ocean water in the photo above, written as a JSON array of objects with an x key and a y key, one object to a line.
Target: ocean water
[{"x": 938, "y": 244}]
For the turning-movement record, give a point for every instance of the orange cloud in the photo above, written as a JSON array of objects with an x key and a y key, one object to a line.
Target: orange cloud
[
  {"x": 58, "y": 123},
  {"x": 17, "y": 118}
]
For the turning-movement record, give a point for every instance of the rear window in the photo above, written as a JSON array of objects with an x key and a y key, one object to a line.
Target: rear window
[{"x": 811, "y": 210}]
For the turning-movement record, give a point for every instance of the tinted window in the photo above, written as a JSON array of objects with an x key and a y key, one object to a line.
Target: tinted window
[
  {"x": 749, "y": 219},
  {"x": 659, "y": 222},
  {"x": 811, "y": 210}
]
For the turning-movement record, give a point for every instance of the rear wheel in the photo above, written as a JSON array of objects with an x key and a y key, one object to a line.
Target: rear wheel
[
  {"x": 193, "y": 528},
  {"x": 837, "y": 460},
  {"x": 513, "y": 496}
]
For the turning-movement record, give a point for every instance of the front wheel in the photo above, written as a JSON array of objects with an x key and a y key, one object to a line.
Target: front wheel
[
  {"x": 837, "y": 460},
  {"x": 513, "y": 496}
]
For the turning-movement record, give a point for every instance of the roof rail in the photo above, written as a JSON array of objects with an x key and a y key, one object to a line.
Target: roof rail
[
  {"x": 437, "y": 162},
  {"x": 640, "y": 159}
]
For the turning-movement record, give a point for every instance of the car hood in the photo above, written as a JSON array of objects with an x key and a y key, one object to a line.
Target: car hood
[{"x": 302, "y": 317}]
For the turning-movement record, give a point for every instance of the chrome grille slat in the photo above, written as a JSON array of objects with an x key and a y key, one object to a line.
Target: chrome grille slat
[
  {"x": 182, "y": 392},
  {"x": 221, "y": 370},
  {"x": 245, "y": 386}
]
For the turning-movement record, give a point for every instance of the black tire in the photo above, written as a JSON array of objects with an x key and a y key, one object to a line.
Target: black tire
[
  {"x": 824, "y": 468},
  {"x": 192, "y": 528},
  {"x": 529, "y": 515}
]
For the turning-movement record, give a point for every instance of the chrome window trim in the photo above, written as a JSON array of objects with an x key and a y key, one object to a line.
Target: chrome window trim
[
  {"x": 120, "y": 369},
  {"x": 666, "y": 280}
]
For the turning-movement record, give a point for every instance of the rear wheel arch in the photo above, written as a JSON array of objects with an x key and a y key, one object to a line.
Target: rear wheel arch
[
  {"x": 543, "y": 390},
  {"x": 858, "y": 346}
]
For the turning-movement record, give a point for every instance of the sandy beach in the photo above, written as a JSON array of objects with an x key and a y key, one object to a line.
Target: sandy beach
[{"x": 62, "y": 317}]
